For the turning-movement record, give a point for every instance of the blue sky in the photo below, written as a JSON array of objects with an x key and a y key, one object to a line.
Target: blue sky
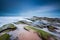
[{"x": 28, "y": 8}]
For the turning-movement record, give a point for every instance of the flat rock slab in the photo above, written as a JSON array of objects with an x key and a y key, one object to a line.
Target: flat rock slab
[{"x": 28, "y": 35}]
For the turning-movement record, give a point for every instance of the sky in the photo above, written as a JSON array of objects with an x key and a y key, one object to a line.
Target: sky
[{"x": 29, "y": 8}]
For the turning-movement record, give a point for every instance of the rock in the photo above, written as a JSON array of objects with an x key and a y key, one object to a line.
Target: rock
[
  {"x": 5, "y": 37},
  {"x": 7, "y": 27}
]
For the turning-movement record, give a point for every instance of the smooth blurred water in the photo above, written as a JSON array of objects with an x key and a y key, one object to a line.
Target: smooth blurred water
[
  {"x": 6, "y": 20},
  {"x": 42, "y": 22}
]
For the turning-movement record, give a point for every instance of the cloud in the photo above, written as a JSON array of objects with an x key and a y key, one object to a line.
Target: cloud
[{"x": 39, "y": 10}]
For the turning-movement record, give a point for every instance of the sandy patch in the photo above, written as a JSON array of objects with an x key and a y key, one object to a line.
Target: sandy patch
[{"x": 28, "y": 35}]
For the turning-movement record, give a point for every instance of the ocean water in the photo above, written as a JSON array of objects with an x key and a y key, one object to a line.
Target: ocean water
[{"x": 6, "y": 20}]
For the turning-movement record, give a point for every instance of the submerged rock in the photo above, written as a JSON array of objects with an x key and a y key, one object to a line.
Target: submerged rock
[{"x": 52, "y": 29}]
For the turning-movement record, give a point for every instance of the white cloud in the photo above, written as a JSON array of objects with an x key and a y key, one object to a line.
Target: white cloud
[{"x": 39, "y": 10}]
